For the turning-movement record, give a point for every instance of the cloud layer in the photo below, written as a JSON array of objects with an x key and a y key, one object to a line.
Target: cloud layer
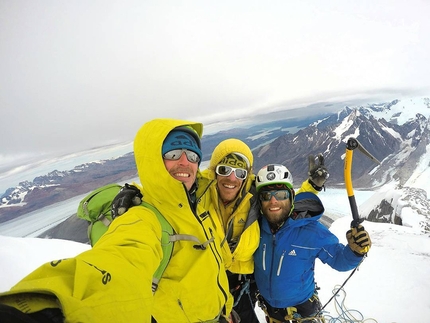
[{"x": 81, "y": 74}]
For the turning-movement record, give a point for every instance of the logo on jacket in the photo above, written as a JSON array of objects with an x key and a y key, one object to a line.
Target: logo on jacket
[{"x": 292, "y": 253}]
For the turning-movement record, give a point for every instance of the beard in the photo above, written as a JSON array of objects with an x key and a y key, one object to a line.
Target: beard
[{"x": 276, "y": 217}]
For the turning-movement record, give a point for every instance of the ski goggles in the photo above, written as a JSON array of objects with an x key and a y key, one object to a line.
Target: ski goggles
[
  {"x": 175, "y": 154},
  {"x": 223, "y": 170},
  {"x": 279, "y": 195}
]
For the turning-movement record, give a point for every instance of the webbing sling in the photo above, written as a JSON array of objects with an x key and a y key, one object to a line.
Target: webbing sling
[{"x": 166, "y": 232}]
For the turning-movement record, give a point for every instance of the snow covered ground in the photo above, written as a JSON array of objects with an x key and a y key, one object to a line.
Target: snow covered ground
[{"x": 391, "y": 285}]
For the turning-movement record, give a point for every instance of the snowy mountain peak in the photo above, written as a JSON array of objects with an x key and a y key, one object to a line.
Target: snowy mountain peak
[
  {"x": 400, "y": 111},
  {"x": 397, "y": 133}
]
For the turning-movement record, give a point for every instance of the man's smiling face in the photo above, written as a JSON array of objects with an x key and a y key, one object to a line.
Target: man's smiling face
[
  {"x": 183, "y": 170},
  {"x": 228, "y": 187}
]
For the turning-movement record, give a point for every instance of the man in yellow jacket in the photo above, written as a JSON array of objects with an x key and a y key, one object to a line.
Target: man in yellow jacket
[
  {"x": 226, "y": 190},
  {"x": 112, "y": 281}
]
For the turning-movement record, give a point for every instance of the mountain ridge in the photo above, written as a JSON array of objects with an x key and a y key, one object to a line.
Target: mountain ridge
[{"x": 395, "y": 132}]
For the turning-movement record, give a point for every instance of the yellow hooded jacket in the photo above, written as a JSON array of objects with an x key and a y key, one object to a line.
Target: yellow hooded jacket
[
  {"x": 112, "y": 281},
  {"x": 237, "y": 222}
]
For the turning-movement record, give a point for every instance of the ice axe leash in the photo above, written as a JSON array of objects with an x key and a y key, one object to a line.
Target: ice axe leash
[{"x": 351, "y": 145}]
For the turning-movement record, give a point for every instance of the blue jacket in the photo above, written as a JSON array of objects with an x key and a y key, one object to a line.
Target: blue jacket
[{"x": 285, "y": 261}]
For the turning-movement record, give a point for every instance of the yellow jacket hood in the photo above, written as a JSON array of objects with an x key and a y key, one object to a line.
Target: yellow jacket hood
[
  {"x": 229, "y": 146},
  {"x": 158, "y": 186}
]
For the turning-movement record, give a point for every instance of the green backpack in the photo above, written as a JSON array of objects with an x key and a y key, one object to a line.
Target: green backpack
[{"x": 96, "y": 209}]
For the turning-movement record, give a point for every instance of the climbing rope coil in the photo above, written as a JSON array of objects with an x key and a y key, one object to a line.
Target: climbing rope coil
[{"x": 345, "y": 314}]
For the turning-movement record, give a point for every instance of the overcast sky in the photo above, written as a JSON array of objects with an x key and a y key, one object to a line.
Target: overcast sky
[{"x": 77, "y": 74}]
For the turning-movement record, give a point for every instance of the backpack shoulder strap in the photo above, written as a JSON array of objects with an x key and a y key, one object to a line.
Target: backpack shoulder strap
[
  {"x": 168, "y": 237},
  {"x": 166, "y": 244}
]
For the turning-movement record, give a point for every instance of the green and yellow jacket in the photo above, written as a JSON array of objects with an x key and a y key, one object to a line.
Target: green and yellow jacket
[{"x": 112, "y": 281}]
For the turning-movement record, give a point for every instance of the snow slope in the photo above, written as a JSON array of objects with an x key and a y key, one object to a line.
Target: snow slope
[{"x": 390, "y": 286}]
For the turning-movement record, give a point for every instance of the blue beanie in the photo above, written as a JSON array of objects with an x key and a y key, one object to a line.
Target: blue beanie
[{"x": 182, "y": 138}]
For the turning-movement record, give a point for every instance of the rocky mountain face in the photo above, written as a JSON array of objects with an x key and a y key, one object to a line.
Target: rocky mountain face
[
  {"x": 399, "y": 147},
  {"x": 58, "y": 186},
  {"x": 406, "y": 206},
  {"x": 398, "y": 142}
]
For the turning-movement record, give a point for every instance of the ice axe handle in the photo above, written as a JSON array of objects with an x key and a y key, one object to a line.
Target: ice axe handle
[
  {"x": 351, "y": 144},
  {"x": 356, "y": 222},
  {"x": 356, "y": 219}
]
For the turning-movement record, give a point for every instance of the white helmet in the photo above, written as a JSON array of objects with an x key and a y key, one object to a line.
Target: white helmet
[{"x": 273, "y": 174}]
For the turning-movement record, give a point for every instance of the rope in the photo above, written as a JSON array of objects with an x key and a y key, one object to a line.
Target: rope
[
  {"x": 244, "y": 289},
  {"x": 341, "y": 287},
  {"x": 345, "y": 315}
]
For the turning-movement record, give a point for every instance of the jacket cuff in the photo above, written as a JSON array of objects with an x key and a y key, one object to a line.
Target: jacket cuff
[{"x": 316, "y": 187}]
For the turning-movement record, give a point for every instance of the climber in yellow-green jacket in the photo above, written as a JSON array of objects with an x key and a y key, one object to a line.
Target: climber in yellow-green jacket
[
  {"x": 227, "y": 191},
  {"x": 112, "y": 281}
]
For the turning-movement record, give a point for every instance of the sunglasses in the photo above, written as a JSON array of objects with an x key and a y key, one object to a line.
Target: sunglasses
[
  {"x": 223, "y": 170},
  {"x": 279, "y": 195},
  {"x": 177, "y": 153}
]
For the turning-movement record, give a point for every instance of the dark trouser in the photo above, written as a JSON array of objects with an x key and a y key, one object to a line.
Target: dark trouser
[
  {"x": 243, "y": 288},
  {"x": 9, "y": 314},
  {"x": 304, "y": 313}
]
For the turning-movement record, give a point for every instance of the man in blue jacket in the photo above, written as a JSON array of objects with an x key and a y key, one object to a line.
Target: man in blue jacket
[{"x": 291, "y": 239}]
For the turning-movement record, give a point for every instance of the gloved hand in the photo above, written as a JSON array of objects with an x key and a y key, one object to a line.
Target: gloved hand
[
  {"x": 318, "y": 173},
  {"x": 127, "y": 197},
  {"x": 358, "y": 240}
]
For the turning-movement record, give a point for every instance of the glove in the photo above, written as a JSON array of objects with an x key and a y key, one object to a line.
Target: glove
[
  {"x": 318, "y": 174},
  {"x": 358, "y": 240},
  {"x": 127, "y": 197}
]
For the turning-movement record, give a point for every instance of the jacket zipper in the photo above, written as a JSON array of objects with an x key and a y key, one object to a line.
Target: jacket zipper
[
  {"x": 212, "y": 246},
  {"x": 280, "y": 263},
  {"x": 272, "y": 262},
  {"x": 264, "y": 257}
]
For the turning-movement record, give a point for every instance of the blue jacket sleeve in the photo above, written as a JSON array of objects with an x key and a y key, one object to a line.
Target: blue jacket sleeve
[{"x": 337, "y": 255}]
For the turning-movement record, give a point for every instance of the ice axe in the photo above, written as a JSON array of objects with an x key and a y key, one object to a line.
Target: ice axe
[{"x": 351, "y": 145}]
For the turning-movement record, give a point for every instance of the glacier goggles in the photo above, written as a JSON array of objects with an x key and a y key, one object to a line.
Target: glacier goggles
[
  {"x": 175, "y": 154},
  {"x": 279, "y": 195},
  {"x": 224, "y": 170}
]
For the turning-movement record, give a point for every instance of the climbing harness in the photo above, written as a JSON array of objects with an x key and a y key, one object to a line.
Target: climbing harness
[{"x": 289, "y": 314}]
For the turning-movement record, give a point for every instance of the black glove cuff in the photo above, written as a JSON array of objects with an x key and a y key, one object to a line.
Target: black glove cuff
[{"x": 316, "y": 187}]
